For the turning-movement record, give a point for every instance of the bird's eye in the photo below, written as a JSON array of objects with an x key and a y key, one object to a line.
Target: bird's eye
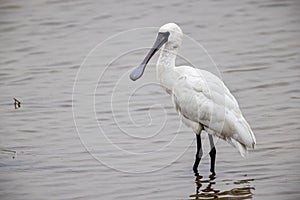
[{"x": 175, "y": 46}]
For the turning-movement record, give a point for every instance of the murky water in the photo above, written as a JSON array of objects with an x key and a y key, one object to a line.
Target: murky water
[{"x": 128, "y": 142}]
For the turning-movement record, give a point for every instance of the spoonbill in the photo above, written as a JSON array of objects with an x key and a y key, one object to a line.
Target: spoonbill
[{"x": 202, "y": 100}]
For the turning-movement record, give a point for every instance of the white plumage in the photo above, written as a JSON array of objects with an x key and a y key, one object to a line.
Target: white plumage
[
  {"x": 201, "y": 98},
  {"x": 204, "y": 102}
]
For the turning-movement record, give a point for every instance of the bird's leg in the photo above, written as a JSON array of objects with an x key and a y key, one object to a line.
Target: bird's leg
[
  {"x": 198, "y": 154},
  {"x": 212, "y": 154}
]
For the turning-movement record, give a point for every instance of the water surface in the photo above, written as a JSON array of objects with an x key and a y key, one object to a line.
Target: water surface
[{"x": 256, "y": 48}]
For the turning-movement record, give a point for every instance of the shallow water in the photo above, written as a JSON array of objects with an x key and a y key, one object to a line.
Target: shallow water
[{"x": 89, "y": 132}]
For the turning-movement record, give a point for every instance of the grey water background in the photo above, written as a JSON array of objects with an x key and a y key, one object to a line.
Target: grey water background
[{"x": 127, "y": 141}]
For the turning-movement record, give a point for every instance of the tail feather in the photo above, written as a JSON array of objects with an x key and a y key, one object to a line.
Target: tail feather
[
  {"x": 241, "y": 147},
  {"x": 244, "y": 133},
  {"x": 234, "y": 141}
]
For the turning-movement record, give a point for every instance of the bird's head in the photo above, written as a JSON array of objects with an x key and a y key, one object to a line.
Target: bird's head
[
  {"x": 169, "y": 35},
  {"x": 175, "y": 35}
]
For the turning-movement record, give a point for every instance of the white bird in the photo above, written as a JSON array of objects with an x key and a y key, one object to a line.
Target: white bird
[{"x": 201, "y": 98}]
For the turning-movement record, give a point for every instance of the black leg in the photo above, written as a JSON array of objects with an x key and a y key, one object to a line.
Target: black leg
[
  {"x": 212, "y": 154},
  {"x": 198, "y": 154}
]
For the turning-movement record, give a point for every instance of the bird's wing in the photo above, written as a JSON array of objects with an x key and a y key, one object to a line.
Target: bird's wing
[{"x": 202, "y": 97}]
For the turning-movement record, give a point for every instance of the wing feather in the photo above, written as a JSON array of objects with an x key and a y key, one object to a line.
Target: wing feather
[{"x": 203, "y": 98}]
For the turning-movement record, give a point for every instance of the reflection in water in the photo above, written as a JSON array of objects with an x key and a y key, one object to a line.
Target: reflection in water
[{"x": 203, "y": 191}]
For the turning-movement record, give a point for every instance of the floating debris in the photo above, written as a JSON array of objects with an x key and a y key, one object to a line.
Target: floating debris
[
  {"x": 17, "y": 103},
  {"x": 9, "y": 151}
]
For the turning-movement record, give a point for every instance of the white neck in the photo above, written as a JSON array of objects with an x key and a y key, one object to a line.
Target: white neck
[{"x": 166, "y": 65}]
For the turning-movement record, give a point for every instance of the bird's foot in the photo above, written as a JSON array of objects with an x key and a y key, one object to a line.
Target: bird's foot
[
  {"x": 198, "y": 176},
  {"x": 212, "y": 176}
]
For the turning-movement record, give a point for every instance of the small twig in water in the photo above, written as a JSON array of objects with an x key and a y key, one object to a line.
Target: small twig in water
[{"x": 17, "y": 103}]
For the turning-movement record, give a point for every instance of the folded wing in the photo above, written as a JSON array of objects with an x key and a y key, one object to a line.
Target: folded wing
[{"x": 203, "y": 98}]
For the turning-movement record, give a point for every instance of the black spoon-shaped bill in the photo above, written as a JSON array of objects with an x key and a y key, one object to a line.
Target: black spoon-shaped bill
[{"x": 161, "y": 39}]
